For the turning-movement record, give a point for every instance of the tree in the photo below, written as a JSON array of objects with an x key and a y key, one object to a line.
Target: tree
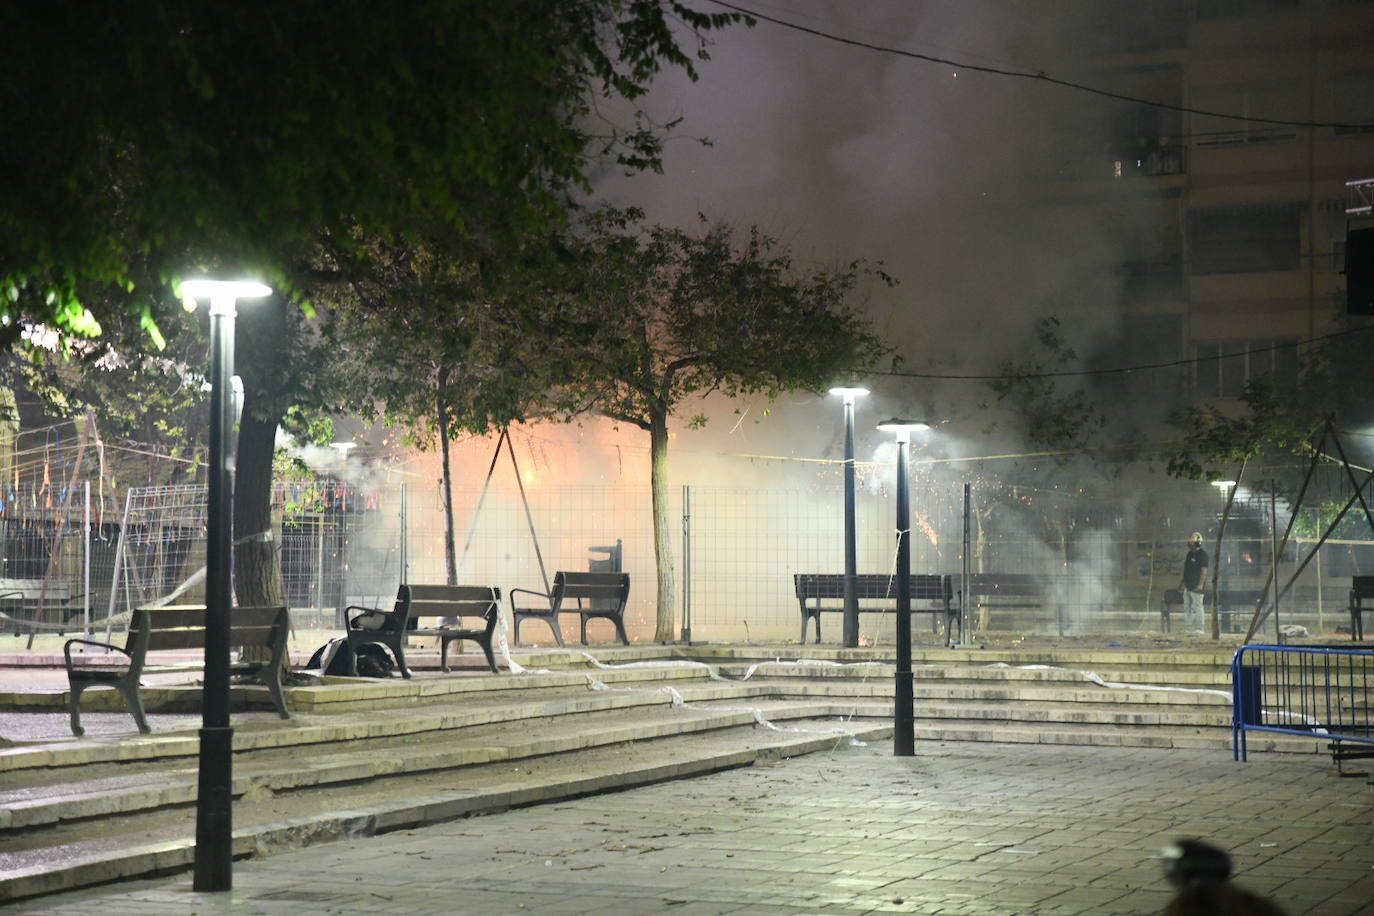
[
  {"x": 176, "y": 135},
  {"x": 1053, "y": 418},
  {"x": 180, "y": 137},
  {"x": 667, "y": 316},
  {"x": 449, "y": 342}
]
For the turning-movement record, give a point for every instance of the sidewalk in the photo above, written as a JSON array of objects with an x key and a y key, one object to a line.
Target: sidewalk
[{"x": 966, "y": 828}]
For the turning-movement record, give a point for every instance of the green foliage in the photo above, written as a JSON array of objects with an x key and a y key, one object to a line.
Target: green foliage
[
  {"x": 1268, "y": 419},
  {"x": 1052, "y": 417},
  {"x": 151, "y": 139},
  {"x": 663, "y": 315}
]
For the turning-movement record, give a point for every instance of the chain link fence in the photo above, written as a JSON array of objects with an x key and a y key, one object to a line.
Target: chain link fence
[{"x": 1083, "y": 564}]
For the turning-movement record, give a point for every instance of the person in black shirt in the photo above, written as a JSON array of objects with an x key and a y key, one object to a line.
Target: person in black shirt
[{"x": 1194, "y": 584}]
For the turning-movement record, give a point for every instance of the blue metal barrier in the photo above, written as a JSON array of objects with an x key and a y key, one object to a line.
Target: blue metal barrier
[{"x": 1312, "y": 691}]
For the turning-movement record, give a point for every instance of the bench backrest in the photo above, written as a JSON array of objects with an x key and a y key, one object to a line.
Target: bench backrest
[
  {"x": 414, "y": 601},
  {"x": 924, "y": 587},
  {"x": 1361, "y": 587},
  {"x": 611, "y": 586},
  {"x": 184, "y": 627},
  {"x": 33, "y": 590},
  {"x": 1013, "y": 585}
]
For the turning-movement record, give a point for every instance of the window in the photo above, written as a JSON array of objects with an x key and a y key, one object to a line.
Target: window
[
  {"x": 1248, "y": 239},
  {"x": 1227, "y": 9},
  {"x": 1282, "y": 103},
  {"x": 1224, "y": 366},
  {"x": 1352, "y": 104},
  {"x": 1152, "y": 282}
]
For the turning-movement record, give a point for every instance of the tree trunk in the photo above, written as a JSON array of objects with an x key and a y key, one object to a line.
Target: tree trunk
[
  {"x": 257, "y": 564},
  {"x": 257, "y": 571},
  {"x": 441, "y": 408},
  {"x": 663, "y": 545}
]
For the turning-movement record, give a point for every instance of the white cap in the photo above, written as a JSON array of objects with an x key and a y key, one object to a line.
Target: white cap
[{"x": 1197, "y": 536}]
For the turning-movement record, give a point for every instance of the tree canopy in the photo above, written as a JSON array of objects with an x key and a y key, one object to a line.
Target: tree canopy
[
  {"x": 150, "y": 139},
  {"x": 662, "y": 315}
]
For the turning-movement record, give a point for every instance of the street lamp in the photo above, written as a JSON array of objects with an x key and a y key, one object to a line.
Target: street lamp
[
  {"x": 903, "y": 709},
  {"x": 851, "y": 599},
  {"x": 214, "y": 825}
]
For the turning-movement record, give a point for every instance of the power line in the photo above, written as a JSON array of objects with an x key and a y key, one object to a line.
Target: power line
[
  {"x": 1040, "y": 76},
  {"x": 1118, "y": 370}
]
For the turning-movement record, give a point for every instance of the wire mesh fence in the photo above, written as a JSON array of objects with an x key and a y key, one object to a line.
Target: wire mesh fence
[{"x": 1023, "y": 560}]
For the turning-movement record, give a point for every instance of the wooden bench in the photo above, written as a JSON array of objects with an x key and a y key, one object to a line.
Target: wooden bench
[
  {"x": 935, "y": 591},
  {"x": 394, "y": 627},
  {"x": 1361, "y": 590},
  {"x": 598, "y": 595},
  {"x": 1231, "y": 601},
  {"x": 35, "y": 596},
  {"x": 1008, "y": 591},
  {"x": 156, "y": 629}
]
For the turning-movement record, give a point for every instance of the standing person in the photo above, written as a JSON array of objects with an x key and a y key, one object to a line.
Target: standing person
[{"x": 1194, "y": 584}]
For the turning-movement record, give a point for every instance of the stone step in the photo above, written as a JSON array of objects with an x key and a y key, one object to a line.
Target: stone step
[
  {"x": 830, "y": 671},
  {"x": 266, "y": 821},
  {"x": 129, "y": 788}
]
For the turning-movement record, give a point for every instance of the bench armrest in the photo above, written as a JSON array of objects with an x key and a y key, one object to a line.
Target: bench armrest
[
  {"x": 67, "y": 649},
  {"x": 351, "y": 621},
  {"x": 548, "y": 599}
]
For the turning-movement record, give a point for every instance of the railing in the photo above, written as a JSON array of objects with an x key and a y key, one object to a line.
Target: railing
[{"x": 1312, "y": 691}]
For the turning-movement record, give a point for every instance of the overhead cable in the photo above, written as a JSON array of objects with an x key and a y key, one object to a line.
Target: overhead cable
[
  {"x": 1118, "y": 370},
  {"x": 1040, "y": 76}
]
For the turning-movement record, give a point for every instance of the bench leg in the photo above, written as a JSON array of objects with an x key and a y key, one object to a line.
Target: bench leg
[
  {"x": 75, "y": 702},
  {"x": 620, "y": 630},
  {"x": 273, "y": 682},
  {"x": 553, "y": 625},
  {"x": 486, "y": 649},
  {"x": 398, "y": 647},
  {"x": 129, "y": 689}
]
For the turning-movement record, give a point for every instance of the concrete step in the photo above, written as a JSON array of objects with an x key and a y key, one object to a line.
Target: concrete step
[
  {"x": 267, "y": 821},
  {"x": 127, "y": 788}
]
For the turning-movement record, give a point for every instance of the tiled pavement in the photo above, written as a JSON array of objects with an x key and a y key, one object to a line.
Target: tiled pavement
[{"x": 959, "y": 828}]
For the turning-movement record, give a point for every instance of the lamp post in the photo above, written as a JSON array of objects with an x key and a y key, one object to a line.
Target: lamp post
[
  {"x": 904, "y": 707},
  {"x": 1227, "y": 490},
  {"x": 214, "y": 826},
  {"x": 851, "y": 600}
]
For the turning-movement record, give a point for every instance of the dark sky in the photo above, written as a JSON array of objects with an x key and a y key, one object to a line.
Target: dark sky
[{"x": 847, "y": 152}]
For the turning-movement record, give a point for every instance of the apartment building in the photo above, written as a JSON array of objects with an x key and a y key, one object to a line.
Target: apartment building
[{"x": 1235, "y": 239}]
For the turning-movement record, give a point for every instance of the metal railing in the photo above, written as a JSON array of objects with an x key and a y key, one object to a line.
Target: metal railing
[{"x": 1312, "y": 691}]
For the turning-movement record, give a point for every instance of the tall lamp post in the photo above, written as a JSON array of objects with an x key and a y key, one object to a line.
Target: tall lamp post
[
  {"x": 851, "y": 599},
  {"x": 214, "y": 825},
  {"x": 904, "y": 707}
]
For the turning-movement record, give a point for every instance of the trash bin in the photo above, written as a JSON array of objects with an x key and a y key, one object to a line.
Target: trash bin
[{"x": 611, "y": 563}]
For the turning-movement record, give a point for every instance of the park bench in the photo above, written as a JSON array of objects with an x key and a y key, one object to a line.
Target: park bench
[
  {"x": 158, "y": 629},
  {"x": 1006, "y": 591},
  {"x": 449, "y": 602},
  {"x": 930, "y": 594},
  {"x": 35, "y": 597},
  {"x": 1231, "y": 601},
  {"x": 1361, "y": 590},
  {"x": 598, "y": 595}
]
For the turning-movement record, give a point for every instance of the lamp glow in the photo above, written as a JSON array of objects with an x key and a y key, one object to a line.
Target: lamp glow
[
  {"x": 201, "y": 288},
  {"x": 903, "y": 428},
  {"x": 849, "y": 393}
]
